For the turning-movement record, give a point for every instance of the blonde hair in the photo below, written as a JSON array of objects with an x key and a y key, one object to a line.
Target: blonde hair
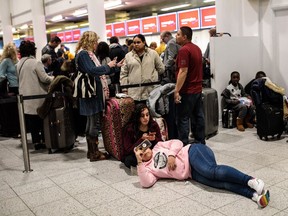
[
  {"x": 9, "y": 51},
  {"x": 87, "y": 41}
]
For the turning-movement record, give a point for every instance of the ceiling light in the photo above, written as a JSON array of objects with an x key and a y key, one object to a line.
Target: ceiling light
[
  {"x": 57, "y": 18},
  {"x": 23, "y": 36},
  {"x": 55, "y": 30},
  {"x": 175, "y": 7},
  {"x": 71, "y": 27},
  {"x": 25, "y": 26},
  {"x": 206, "y": 1},
  {"x": 113, "y": 4},
  {"x": 84, "y": 24},
  {"x": 80, "y": 12}
]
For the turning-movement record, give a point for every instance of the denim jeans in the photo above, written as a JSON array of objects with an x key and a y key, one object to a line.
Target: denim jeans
[
  {"x": 205, "y": 170},
  {"x": 93, "y": 125},
  {"x": 191, "y": 107}
]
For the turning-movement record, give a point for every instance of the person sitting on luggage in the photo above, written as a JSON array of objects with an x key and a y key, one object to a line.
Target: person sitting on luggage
[
  {"x": 258, "y": 75},
  {"x": 236, "y": 99},
  {"x": 141, "y": 126},
  {"x": 170, "y": 159}
]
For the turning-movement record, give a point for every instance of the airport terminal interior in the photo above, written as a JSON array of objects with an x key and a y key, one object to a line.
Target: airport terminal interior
[{"x": 62, "y": 184}]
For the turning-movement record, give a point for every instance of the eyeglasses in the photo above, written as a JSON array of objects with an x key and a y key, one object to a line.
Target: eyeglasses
[{"x": 136, "y": 42}]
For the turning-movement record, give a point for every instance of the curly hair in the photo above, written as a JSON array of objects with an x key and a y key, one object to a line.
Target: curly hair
[
  {"x": 87, "y": 41},
  {"x": 9, "y": 51}
]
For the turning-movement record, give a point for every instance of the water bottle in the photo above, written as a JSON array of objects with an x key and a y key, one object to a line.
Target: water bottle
[
  {"x": 225, "y": 118},
  {"x": 230, "y": 119}
]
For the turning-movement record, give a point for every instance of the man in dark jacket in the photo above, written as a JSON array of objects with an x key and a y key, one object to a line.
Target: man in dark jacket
[
  {"x": 116, "y": 50},
  {"x": 50, "y": 49}
]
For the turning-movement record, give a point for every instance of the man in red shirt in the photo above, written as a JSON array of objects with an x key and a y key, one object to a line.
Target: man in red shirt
[{"x": 188, "y": 90}]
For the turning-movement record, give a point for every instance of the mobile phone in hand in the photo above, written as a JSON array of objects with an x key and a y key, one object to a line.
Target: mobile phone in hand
[{"x": 144, "y": 145}]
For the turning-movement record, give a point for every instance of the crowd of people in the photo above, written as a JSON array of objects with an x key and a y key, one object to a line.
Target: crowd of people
[{"x": 97, "y": 64}]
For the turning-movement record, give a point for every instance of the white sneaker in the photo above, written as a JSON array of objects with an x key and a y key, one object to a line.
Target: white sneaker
[{"x": 257, "y": 185}]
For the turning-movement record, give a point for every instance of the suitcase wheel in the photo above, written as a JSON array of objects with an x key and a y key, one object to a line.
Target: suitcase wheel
[
  {"x": 260, "y": 137},
  {"x": 49, "y": 151},
  {"x": 266, "y": 138},
  {"x": 278, "y": 136}
]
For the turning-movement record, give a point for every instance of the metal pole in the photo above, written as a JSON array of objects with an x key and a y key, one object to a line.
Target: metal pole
[{"x": 23, "y": 134}]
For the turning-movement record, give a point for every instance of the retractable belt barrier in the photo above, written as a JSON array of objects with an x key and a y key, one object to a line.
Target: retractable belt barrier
[{"x": 19, "y": 99}]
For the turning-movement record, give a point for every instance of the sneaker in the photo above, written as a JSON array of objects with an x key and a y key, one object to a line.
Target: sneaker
[
  {"x": 82, "y": 140},
  {"x": 257, "y": 185},
  {"x": 264, "y": 199}
]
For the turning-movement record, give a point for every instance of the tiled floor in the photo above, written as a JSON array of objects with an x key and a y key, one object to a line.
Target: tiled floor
[{"x": 68, "y": 184}]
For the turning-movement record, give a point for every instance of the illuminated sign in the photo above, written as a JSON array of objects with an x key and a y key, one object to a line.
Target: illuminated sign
[
  {"x": 149, "y": 25},
  {"x": 133, "y": 27},
  {"x": 76, "y": 34},
  {"x": 68, "y": 36},
  {"x": 61, "y": 36},
  {"x": 109, "y": 32},
  {"x": 208, "y": 17},
  {"x": 167, "y": 22},
  {"x": 119, "y": 29},
  {"x": 189, "y": 18}
]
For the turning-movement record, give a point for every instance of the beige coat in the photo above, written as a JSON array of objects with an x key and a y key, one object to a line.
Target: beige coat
[
  {"x": 135, "y": 72},
  {"x": 33, "y": 80}
]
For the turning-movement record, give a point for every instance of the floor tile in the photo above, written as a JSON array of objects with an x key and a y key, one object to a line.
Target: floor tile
[
  {"x": 12, "y": 206},
  {"x": 63, "y": 207},
  {"x": 24, "y": 213},
  {"x": 6, "y": 194},
  {"x": 120, "y": 207},
  {"x": 155, "y": 196},
  {"x": 43, "y": 196},
  {"x": 183, "y": 206},
  {"x": 33, "y": 186}
]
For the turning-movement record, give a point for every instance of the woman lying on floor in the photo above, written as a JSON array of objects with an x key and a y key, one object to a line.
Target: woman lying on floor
[{"x": 197, "y": 161}]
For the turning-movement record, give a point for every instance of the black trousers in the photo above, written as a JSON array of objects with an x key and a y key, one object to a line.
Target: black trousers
[{"x": 35, "y": 124}]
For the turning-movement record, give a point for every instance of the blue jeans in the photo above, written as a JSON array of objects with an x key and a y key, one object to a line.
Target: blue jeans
[
  {"x": 191, "y": 107},
  {"x": 206, "y": 171},
  {"x": 93, "y": 125}
]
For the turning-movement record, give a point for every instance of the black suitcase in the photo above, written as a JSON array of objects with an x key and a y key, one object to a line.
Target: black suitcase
[
  {"x": 59, "y": 130},
  {"x": 269, "y": 121},
  {"x": 9, "y": 119},
  {"x": 211, "y": 111}
]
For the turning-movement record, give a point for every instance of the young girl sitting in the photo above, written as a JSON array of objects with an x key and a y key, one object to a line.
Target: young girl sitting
[
  {"x": 140, "y": 127},
  {"x": 236, "y": 99}
]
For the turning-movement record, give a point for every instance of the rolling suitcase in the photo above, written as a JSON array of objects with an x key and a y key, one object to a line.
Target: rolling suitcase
[
  {"x": 211, "y": 111},
  {"x": 117, "y": 114},
  {"x": 59, "y": 129},
  {"x": 269, "y": 121}
]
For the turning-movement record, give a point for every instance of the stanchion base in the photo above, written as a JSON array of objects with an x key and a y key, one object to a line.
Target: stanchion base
[{"x": 24, "y": 171}]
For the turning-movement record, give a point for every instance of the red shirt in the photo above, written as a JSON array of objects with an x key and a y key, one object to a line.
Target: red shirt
[{"x": 190, "y": 56}]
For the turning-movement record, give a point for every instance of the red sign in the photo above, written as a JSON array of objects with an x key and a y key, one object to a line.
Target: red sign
[
  {"x": 52, "y": 35},
  {"x": 133, "y": 27},
  {"x": 68, "y": 36},
  {"x": 30, "y": 38},
  {"x": 189, "y": 18},
  {"x": 119, "y": 29},
  {"x": 208, "y": 17},
  {"x": 109, "y": 32},
  {"x": 61, "y": 36},
  {"x": 76, "y": 34},
  {"x": 149, "y": 25},
  {"x": 167, "y": 22}
]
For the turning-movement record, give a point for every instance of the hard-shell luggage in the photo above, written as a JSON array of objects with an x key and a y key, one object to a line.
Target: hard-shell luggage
[
  {"x": 211, "y": 111},
  {"x": 9, "y": 119},
  {"x": 269, "y": 121},
  {"x": 116, "y": 116},
  {"x": 59, "y": 130}
]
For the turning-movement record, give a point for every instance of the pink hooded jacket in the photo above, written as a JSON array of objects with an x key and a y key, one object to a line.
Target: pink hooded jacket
[{"x": 157, "y": 167}]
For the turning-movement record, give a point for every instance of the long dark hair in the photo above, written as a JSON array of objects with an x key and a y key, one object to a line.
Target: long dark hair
[
  {"x": 135, "y": 118},
  {"x": 142, "y": 38},
  {"x": 102, "y": 51}
]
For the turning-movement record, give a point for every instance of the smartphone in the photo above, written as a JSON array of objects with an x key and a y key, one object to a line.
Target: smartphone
[{"x": 144, "y": 145}]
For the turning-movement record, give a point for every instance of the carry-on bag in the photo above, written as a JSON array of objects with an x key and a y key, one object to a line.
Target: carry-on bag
[
  {"x": 117, "y": 114},
  {"x": 211, "y": 111},
  {"x": 269, "y": 121}
]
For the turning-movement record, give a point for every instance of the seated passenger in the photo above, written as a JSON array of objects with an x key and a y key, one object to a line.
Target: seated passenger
[
  {"x": 247, "y": 88},
  {"x": 197, "y": 161},
  {"x": 236, "y": 99},
  {"x": 140, "y": 127}
]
